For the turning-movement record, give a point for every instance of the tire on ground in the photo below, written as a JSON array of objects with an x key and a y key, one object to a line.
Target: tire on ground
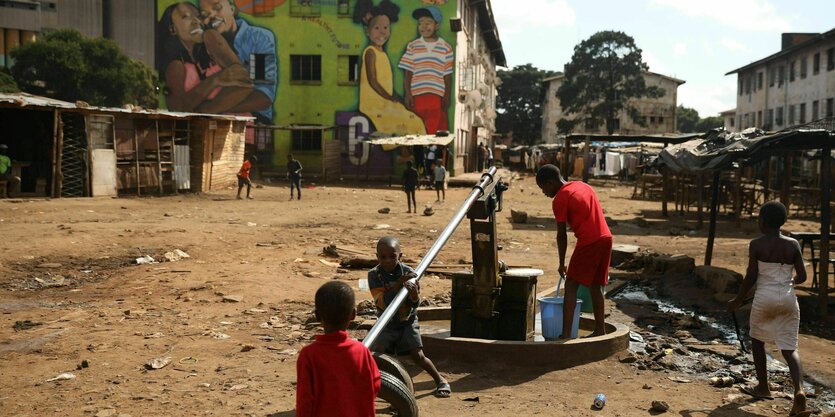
[
  {"x": 391, "y": 365},
  {"x": 394, "y": 392}
]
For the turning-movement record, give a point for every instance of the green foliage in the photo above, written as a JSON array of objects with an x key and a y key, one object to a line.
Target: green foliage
[
  {"x": 604, "y": 74},
  {"x": 519, "y": 102},
  {"x": 709, "y": 123},
  {"x": 687, "y": 119},
  {"x": 68, "y": 66},
  {"x": 7, "y": 82}
]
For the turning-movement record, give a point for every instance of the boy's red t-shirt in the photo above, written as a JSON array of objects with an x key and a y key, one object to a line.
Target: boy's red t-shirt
[
  {"x": 244, "y": 171},
  {"x": 336, "y": 376},
  {"x": 577, "y": 204}
]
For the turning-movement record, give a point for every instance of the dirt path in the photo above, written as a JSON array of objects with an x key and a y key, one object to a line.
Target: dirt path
[{"x": 67, "y": 267}]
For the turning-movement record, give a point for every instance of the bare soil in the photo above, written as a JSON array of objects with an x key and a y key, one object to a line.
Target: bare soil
[{"x": 233, "y": 315}]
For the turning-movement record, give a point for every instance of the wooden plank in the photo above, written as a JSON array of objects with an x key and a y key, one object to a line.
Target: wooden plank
[
  {"x": 714, "y": 208},
  {"x": 586, "y": 159},
  {"x": 826, "y": 196}
]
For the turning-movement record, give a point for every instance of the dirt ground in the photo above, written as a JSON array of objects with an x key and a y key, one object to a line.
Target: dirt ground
[{"x": 233, "y": 315}]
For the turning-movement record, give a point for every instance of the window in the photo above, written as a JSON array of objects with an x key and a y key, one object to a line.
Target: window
[
  {"x": 305, "y": 7},
  {"x": 740, "y": 85},
  {"x": 652, "y": 119},
  {"x": 791, "y": 71},
  {"x": 307, "y": 140},
  {"x": 348, "y": 70},
  {"x": 791, "y": 115},
  {"x": 307, "y": 69},
  {"x": 760, "y": 118},
  {"x": 830, "y": 59},
  {"x": 258, "y": 67},
  {"x": 616, "y": 124},
  {"x": 816, "y": 64},
  {"x": 815, "y": 110},
  {"x": 739, "y": 122},
  {"x": 591, "y": 124},
  {"x": 802, "y": 113},
  {"x": 660, "y": 119},
  {"x": 760, "y": 80},
  {"x": 748, "y": 84},
  {"x": 745, "y": 123},
  {"x": 770, "y": 118},
  {"x": 343, "y": 8},
  {"x": 829, "y": 109},
  {"x": 778, "y": 119},
  {"x": 263, "y": 139},
  {"x": 771, "y": 76},
  {"x": 781, "y": 75},
  {"x": 803, "y": 68},
  {"x": 731, "y": 121}
]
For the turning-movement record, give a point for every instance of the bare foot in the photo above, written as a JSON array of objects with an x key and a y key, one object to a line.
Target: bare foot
[
  {"x": 799, "y": 404},
  {"x": 597, "y": 333},
  {"x": 759, "y": 392}
]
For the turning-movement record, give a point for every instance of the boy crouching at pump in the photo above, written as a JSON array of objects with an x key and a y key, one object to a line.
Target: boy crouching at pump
[
  {"x": 336, "y": 375},
  {"x": 402, "y": 334}
]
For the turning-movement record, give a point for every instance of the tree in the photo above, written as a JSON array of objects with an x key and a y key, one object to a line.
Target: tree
[
  {"x": 519, "y": 102},
  {"x": 604, "y": 74},
  {"x": 68, "y": 66},
  {"x": 7, "y": 82},
  {"x": 709, "y": 123},
  {"x": 687, "y": 119}
]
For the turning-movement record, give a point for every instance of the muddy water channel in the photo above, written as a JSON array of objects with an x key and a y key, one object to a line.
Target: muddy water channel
[{"x": 696, "y": 347}]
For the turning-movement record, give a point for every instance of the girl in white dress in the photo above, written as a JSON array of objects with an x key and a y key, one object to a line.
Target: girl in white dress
[{"x": 775, "y": 315}]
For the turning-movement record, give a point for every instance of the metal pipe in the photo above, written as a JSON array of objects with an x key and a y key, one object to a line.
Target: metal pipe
[{"x": 391, "y": 310}]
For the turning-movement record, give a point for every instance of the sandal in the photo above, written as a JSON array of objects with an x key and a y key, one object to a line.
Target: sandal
[
  {"x": 799, "y": 403},
  {"x": 443, "y": 390},
  {"x": 753, "y": 392}
]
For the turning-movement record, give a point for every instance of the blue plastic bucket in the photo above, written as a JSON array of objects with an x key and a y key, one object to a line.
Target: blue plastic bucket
[{"x": 550, "y": 309}]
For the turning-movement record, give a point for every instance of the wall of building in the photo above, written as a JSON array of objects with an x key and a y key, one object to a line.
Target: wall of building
[
  {"x": 760, "y": 103},
  {"x": 217, "y": 151}
]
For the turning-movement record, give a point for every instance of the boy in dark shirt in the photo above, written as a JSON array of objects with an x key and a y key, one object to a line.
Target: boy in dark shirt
[
  {"x": 410, "y": 183},
  {"x": 402, "y": 334},
  {"x": 294, "y": 174},
  {"x": 336, "y": 375}
]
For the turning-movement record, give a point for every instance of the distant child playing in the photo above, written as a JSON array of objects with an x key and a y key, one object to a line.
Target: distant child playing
[
  {"x": 410, "y": 183},
  {"x": 775, "y": 315},
  {"x": 402, "y": 334},
  {"x": 243, "y": 176},
  {"x": 336, "y": 375},
  {"x": 439, "y": 175},
  {"x": 294, "y": 174}
]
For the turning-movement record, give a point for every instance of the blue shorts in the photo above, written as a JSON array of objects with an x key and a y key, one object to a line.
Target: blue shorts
[{"x": 399, "y": 338}]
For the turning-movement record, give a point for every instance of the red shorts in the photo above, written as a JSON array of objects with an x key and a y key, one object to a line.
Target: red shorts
[
  {"x": 589, "y": 264},
  {"x": 428, "y": 107}
]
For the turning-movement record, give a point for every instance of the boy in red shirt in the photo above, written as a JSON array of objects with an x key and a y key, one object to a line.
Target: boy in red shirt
[
  {"x": 243, "y": 176},
  {"x": 576, "y": 203},
  {"x": 336, "y": 375}
]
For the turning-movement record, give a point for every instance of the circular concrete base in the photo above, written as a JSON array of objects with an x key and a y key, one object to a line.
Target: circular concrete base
[{"x": 551, "y": 355}]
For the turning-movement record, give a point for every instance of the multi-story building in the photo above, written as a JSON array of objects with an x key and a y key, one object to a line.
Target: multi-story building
[
  {"x": 729, "y": 120},
  {"x": 793, "y": 86},
  {"x": 657, "y": 113}
]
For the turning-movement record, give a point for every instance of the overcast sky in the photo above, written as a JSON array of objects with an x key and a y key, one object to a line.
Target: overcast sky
[{"x": 694, "y": 40}]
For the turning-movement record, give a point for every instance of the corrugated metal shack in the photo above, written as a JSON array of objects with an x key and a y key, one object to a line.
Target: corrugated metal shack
[{"x": 63, "y": 149}]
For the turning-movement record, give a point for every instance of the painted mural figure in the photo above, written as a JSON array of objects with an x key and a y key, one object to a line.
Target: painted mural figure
[
  {"x": 377, "y": 99},
  {"x": 195, "y": 82},
  {"x": 428, "y": 64},
  {"x": 255, "y": 48}
]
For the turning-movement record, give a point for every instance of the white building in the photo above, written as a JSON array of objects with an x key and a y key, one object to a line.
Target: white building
[
  {"x": 729, "y": 120},
  {"x": 793, "y": 86},
  {"x": 658, "y": 114}
]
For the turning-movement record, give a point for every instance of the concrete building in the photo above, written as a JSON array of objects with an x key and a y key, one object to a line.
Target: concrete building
[
  {"x": 129, "y": 22},
  {"x": 729, "y": 120},
  {"x": 793, "y": 86},
  {"x": 658, "y": 114}
]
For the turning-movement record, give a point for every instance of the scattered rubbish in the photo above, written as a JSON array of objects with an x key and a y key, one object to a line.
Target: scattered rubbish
[
  {"x": 266, "y": 245},
  {"x": 660, "y": 406},
  {"x": 247, "y": 348},
  {"x": 218, "y": 335},
  {"x": 144, "y": 260},
  {"x": 635, "y": 337},
  {"x": 188, "y": 360},
  {"x": 599, "y": 401},
  {"x": 233, "y": 298},
  {"x": 25, "y": 325},
  {"x": 428, "y": 211},
  {"x": 251, "y": 224},
  {"x": 679, "y": 379},
  {"x": 157, "y": 363},
  {"x": 238, "y": 387},
  {"x": 175, "y": 255},
  {"x": 255, "y": 311},
  {"x": 540, "y": 226},
  {"x": 300, "y": 260},
  {"x": 381, "y": 226},
  {"x": 647, "y": 386},
  {"x": 288, "y": 352},
  {"x": 62, "y": 377},
  {"x": 384, "y": 210},
  {"x": 311, "y": 274},
  {"x": 724, "y": 381},
  {"x": 49, "y": 265},
  {"x": 56, "y": 281},
  {"x": 84, "y": 364},
  {"x": 330, "y": 263}
]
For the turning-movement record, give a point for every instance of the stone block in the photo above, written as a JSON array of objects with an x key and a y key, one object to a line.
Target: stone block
[
  {"x": 622, "y": 253},
  {"x": 671, "y": 264},
  {"x": 518, "y": 216},
  {"x": 720, "y": 280}
]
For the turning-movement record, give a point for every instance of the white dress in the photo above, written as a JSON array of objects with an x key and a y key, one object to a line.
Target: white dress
[{"x": 775, "y": 315}]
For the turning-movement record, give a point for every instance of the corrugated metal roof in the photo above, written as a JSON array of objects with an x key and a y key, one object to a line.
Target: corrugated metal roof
[{"x": 30, "y": 100}]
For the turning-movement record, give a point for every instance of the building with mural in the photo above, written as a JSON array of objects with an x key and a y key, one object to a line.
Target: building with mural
[{"x": 321, "y": 76}]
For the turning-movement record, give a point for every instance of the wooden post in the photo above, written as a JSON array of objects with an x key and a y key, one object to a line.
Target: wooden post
[
  {"x": 786, "y": 181},
  {"x": 767, "y": 180},
  {"x": 59, "y": 152},
  {"x": 56, "y": 122},
  {"x": 714, "y": 207},
  {"x": 638, "y": 174},
  {"x": 826, "y": 195},
  {"x": 738, "y": 196},
  {"x": 700, "y": 181},
  {"x": 566, "y": 156},
  {"x": 586, "y": 159},
  {"x": 664, "y": 191}
]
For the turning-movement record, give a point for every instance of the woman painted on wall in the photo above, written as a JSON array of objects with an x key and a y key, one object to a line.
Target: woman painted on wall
[
  {"x": 377, "y": 99},
  {"x": 197, "y": 78}
]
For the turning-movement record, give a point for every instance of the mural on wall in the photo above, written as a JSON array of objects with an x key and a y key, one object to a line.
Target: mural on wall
[{"x": 386, "y": 66}]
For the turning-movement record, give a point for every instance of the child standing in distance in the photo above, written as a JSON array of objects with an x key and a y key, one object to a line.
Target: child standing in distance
[
  {"x": 336, "y": 375},
  {"x": 428, "y": 65},
  {"x": 775, "y": 314},
  {"x": 243, "y": 176},
  {"x": 294, "y": 174},
  {"x": 410, "y": 183},
  {"x": 402, "y": 334},
  {"x": 439, "y": 173}
]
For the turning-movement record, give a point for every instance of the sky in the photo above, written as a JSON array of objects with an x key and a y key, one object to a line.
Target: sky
[{"x": 697, "y": 41}]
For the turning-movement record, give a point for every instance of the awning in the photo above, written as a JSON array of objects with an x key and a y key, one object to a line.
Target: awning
[{"x": 413, "y": 140}]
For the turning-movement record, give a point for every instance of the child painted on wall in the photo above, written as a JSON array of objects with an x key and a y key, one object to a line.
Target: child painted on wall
[
  {"x": 377, "y": 99},
  {"x": 336, "y": 375},
  {"x": 428, "y": 65},
  {"x": 410, "y": 184},
  {"x": 775, "y": 314},
  {"x": 402, "y": 334}
]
